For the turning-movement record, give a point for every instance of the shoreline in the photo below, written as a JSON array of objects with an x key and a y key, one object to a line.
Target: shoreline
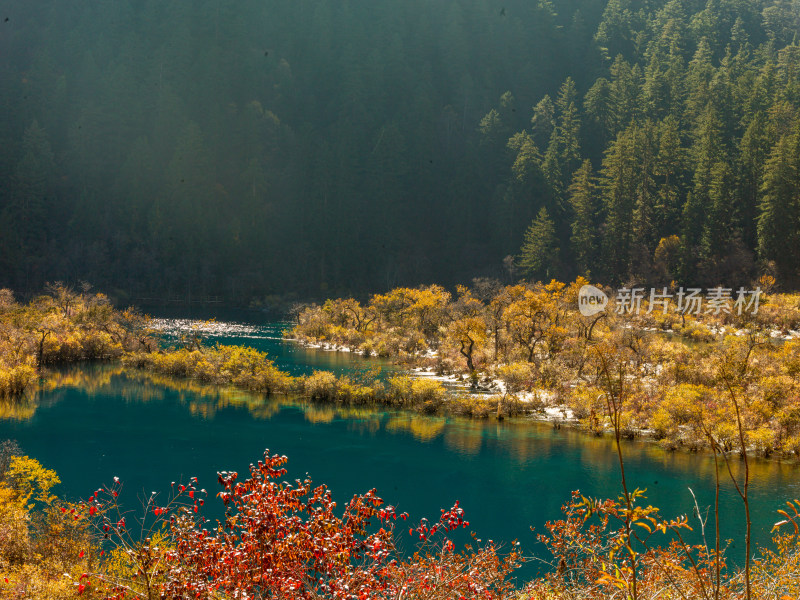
[{"x": 557, "y": 415}]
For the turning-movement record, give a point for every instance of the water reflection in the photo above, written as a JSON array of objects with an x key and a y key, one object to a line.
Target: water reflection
[
  {"x": 523, "y": 439},
  {"x": 465, "y": 438},
  {"x": 151, "y": 429},
  {"x": 421, "y": 427}
]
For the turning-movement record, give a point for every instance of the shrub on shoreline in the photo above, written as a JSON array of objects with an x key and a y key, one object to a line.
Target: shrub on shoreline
[
  {"x": 240, "y": 366},
  {"x": 60, "y": 327},
  {"x": 533, "y": 339}
]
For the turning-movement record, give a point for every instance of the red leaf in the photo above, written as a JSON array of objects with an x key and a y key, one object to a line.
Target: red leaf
[{"x": 81, "y": 554}]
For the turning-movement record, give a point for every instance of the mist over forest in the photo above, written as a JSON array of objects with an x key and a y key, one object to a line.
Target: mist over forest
[{"x": 240, "y": 149}]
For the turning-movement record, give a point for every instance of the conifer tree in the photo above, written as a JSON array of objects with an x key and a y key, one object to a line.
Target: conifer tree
[
  {"x": 539, "y": 255},
  {"x": 618, "y": 184},
  {"x": 583, "y": 200},
  {"x": 779, "y": 209}
]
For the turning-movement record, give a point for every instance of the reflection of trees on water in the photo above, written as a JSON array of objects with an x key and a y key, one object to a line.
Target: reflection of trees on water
[
  {"x": 320, "y": 414},
  {"x": 51, "y": 389},
  {"x": 362, "y": 421},
  {"x": 18, "y": 409},
  {"x": 422, "y": 428},
  {"x": 464, "y": 436},
  {"x": 137, "y": 387},
  {"x": 521, "y": 440}
]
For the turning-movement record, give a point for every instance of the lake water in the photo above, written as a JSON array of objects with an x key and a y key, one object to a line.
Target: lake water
[
  {"x": 268, "y": 337},
  {"x": 95, "y": 423}
]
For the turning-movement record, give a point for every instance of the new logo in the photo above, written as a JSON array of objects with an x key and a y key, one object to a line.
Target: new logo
[{"x": 591, "y": 300}]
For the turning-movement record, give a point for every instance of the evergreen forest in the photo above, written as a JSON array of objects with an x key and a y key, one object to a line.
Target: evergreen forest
[{"x": 240, "y": 149}]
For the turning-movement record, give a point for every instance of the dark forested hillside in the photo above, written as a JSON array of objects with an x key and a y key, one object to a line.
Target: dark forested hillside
[{"x": 241, "y": 148}]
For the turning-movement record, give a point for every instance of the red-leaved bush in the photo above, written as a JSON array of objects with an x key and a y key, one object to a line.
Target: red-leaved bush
[{"x": 282, "y": 540}]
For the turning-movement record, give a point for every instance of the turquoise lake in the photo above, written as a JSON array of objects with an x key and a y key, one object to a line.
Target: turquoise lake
[{"x": 98, "y": 423}]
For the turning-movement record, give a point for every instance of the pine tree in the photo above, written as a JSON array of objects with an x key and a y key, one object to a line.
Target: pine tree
[
  {"x": 582, "y": 195},
  {"x": 754, "y": 149},
  {"x": 779, "y": 209},
  {"x": 707, "y": 152},
  {"x": 568, "y": 128},
  {"x": 626, "y": 93},
  {"x": 698, "y": 81},
  {"x": 670, "y": 171},
  {"x": 615, "y": 31},
  {"x": 539, "y": 255},
  {"x": 599, "y": 113},
  {"x": 664, "y": 74},
  {"x": 543, "y": 121},
  {"x": 618, "y": 184},
  {"x": 718, "y": 230},
  {"x": 645, "y": 235}
]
